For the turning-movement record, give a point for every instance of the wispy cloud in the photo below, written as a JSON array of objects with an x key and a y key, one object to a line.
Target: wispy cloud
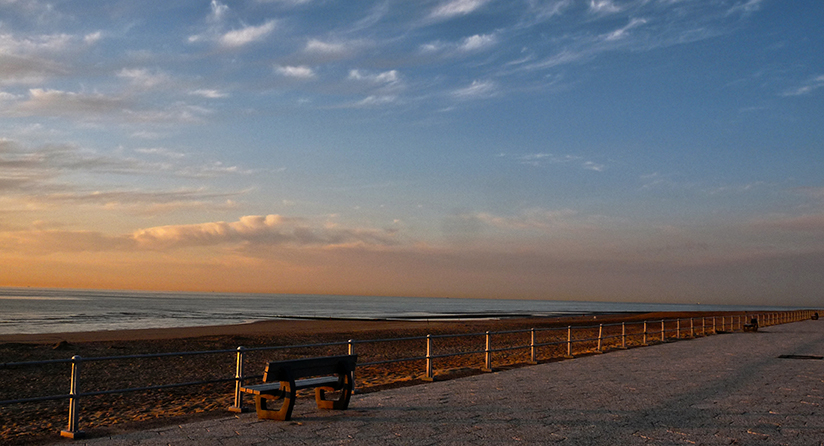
[
  {"x": 386, "y": 77},
  {"x": 145, "y": 78},
  {"x": 622, "y": 32},
  {"x": 210, "y": 94},
  {"x": 454, "y": 8},
  {"x": 219, "y": 11},
  {"x": 603, "y": 7},
  {"x": 807, "y": 87},
  {"x": 266, "y": 230},
  {"x": 246, "y": 35},
  {"x": 542, "y": 159},
  {"x": 27, "y": 70},
  {"x": 477, "y": 89},
  {"x": 296, "y": 72},
  {"x": 56, "y": 102}
]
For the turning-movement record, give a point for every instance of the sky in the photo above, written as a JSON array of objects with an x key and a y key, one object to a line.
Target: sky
[{"x": 640, "y": 150}]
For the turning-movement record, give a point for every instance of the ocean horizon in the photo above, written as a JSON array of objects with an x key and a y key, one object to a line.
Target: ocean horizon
[{"x": 56, "y": 310}]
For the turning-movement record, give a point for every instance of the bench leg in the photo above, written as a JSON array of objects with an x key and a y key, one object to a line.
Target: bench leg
[
  {"x": 342, "y": 402},
  {"x": 285, "y": 412}
]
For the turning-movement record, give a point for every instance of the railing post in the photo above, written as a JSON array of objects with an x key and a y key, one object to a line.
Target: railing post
[
  {"x": 663, "y": 331},
  {"x": 351, "y": 350},
  {"x": 238, "y": 405},
  {"x": 623, "y": 335},
  {"x": 487, "y": 355},
  {"x": 645, "y": 333},
  {"x": 692, "y": 328},
  {"x": 429, "y": 375},
  {"x": 569, "y": 342},
  {"x": 678, "y": 328},
  {"x": 600, "y": 337},
  {"x": 74, "y": 415},
  {"x": 532, "y": 356},
  {"x": 703, "y": 326},
  {"x": 714, "y": 331}
]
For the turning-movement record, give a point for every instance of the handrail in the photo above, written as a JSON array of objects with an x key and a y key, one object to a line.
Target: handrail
[{"x": 735, "y": 322}]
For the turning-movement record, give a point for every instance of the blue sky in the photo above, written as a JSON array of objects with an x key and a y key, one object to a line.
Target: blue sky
[{"x": 647, "y": 150}]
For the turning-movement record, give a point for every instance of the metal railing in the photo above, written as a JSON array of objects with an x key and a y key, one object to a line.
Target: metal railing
[{"x": 616, "y": 336}]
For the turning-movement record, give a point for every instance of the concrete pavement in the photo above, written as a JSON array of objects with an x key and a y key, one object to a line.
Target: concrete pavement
[{"x": 718, "y": 390}]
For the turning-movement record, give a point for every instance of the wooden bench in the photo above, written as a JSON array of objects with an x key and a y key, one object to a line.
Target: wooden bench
[
  {"x": 282, "y": 379},
  {"x": 752, "y": 326}
]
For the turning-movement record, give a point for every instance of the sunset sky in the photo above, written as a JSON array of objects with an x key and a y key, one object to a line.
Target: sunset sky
[{"x": 639, "y": 150}]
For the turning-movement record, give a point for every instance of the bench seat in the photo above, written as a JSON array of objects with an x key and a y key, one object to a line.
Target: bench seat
[{"x": 273, "y": 388}]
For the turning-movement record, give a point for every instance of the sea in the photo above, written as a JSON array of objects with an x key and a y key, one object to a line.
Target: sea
[{"x": 57, "y": 310}]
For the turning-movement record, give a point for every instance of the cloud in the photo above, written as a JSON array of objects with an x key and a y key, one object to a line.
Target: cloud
[
  {"x": 92, "y": 38},
  {"x": 209, "y": 94},
  {"x": 15, "y": 69},
  {"x": 296, "y": 72},
  {"x": 807, "y": 87},
  {"x": 375, "y": 100},
  {"x": 477, "y": 89},
  {"x": 326, "y": 50},
  {"x": 589, "y": 165},
  {"x": 478, "y": 42},
  {"x": 143, "y": 202},
  {"x": 534, "y": 219},
  {"x": 41, "y": 176},
  {"x": 45, "y": 43},
  {"x": 540, "y": 10},
  {"x": 144, "y": 78},
  {"x": 273, "y": 230},
  {"x": 247, "y": 35},
  {"x": 603, "y": 7},
  {"x": 386, "y": 77},
  {"x": 622, "y": 32},
  {"x": 467, "y": 45},
  {"x": 454, "y": 8},
  {"x": 63, "y": 103},
  {"x": 219, "y": 10},
  {"x": 36, "y": 241},
  {"x": 746, "y": 7}
]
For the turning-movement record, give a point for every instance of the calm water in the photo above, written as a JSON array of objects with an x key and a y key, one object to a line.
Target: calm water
[{"x": 39, "y": 310}]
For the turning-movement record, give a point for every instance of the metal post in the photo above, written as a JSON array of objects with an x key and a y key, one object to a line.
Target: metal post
[
  {"x": 678, "y": 328},
  {"x": 692, "y": 328},
  {"x": 714, "y": 331},
  {"x": 532, "y": 355},
  {"x": 429, "y": 375},
  {"x": 623, "y": 335},
  {"x": 645, "y": 333},
  {"x": 238, "y": 405},
  {"x": 569, "y": 342},
  {"x": 600, "y": 336},
  {"x": 663, "y": 331},
  {"x": 487, "y": 356},
  {"x": 72, "y": 431},
  {"x": 351, "y": 351}
]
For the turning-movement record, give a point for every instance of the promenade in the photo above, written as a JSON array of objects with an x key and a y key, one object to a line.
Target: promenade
[{"x": 717, "y": 390}]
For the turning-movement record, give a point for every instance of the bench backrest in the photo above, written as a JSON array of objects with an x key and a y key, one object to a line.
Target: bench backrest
[{"x": 302, "y": 368}]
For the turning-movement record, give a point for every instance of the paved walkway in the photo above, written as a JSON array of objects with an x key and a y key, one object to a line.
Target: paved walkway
[{"x": 718, "y": 390}]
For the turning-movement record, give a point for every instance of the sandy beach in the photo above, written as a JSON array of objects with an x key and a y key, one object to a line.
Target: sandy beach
[{"x": 36, "y": 423}]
